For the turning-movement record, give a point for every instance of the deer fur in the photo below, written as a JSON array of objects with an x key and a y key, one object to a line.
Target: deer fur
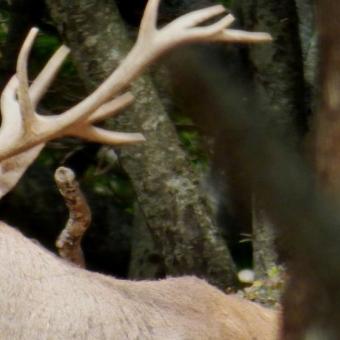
[{"x": 44, "y": 297}]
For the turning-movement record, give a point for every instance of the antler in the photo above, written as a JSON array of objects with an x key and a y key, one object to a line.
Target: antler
[{"x": 23, "y": 128}]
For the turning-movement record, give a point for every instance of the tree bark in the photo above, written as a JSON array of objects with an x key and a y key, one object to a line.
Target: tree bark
[
  {"x": 278, "y": 67},
  {"x": 167, "y": 188},
  {"x": 264, "y": 253},
  {"x": 308, "y": 38},
  {"x": 279, "y": 82},
  {"x": 312, "y": 298}
]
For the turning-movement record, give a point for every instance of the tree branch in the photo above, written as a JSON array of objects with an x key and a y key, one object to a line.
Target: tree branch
[{"x": 69, "y": 241}]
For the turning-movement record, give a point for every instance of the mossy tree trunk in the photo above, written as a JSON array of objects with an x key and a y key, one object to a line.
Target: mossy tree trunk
[{"x": 167, "y": 189}]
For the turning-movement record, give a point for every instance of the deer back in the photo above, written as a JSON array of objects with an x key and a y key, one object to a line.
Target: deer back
[{"x": 44, "y": 297}]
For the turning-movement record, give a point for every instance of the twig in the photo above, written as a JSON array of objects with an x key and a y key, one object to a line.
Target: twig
[{"x": 69, "y": 240}]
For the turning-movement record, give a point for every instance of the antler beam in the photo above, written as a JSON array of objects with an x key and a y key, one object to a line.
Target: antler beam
[{"x": 23, "y": 128}]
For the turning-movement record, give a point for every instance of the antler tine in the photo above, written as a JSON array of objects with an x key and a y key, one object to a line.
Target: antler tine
[
  {"x": 185, "y": 29},
  {"x": 149, "y": 21},
  {"x": 218, "y": 26},
  {"x": 99, "y": 135},
  {"x": 111, "y": 108},
  {"x": 195, "y": 18},
  {"x": 239, "y": 36},
  {"x": 26, "y": 106},
  {"x": 47, "y": 75}
]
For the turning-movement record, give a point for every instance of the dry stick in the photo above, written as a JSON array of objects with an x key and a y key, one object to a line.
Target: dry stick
[{"x": 69, "y": 240}]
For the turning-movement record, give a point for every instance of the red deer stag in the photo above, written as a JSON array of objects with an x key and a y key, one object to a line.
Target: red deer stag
[{"x": 44, "y": 297}]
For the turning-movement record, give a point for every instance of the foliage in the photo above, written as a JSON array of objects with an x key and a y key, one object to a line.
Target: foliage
[
  {"x": 3, "y": 28},
  {"x": 227, "y": 3},
  {"x": 113, "y": 183},
  {"x": 191, "y": 141},
  {"x": 266, "y": 291}
]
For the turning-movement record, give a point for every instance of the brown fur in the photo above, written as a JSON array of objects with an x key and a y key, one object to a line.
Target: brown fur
[{"x": 44, "y": 297}]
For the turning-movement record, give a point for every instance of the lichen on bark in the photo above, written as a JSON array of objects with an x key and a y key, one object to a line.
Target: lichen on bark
[{"x": 167, "y": 188}]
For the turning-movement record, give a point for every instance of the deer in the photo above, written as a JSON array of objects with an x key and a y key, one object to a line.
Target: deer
[{"x": 42, "y": 296}]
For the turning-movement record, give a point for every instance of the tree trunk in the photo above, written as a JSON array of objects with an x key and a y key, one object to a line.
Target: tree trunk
[
  {"x": 308, "y": 38},
  {"x": 167, "y": 188},
  {"x": 312, "y": 297},
  {"x": 279, "y": 82},
  {"x": 278, "y": 67},
  {"x": 265, "y": 257}
]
